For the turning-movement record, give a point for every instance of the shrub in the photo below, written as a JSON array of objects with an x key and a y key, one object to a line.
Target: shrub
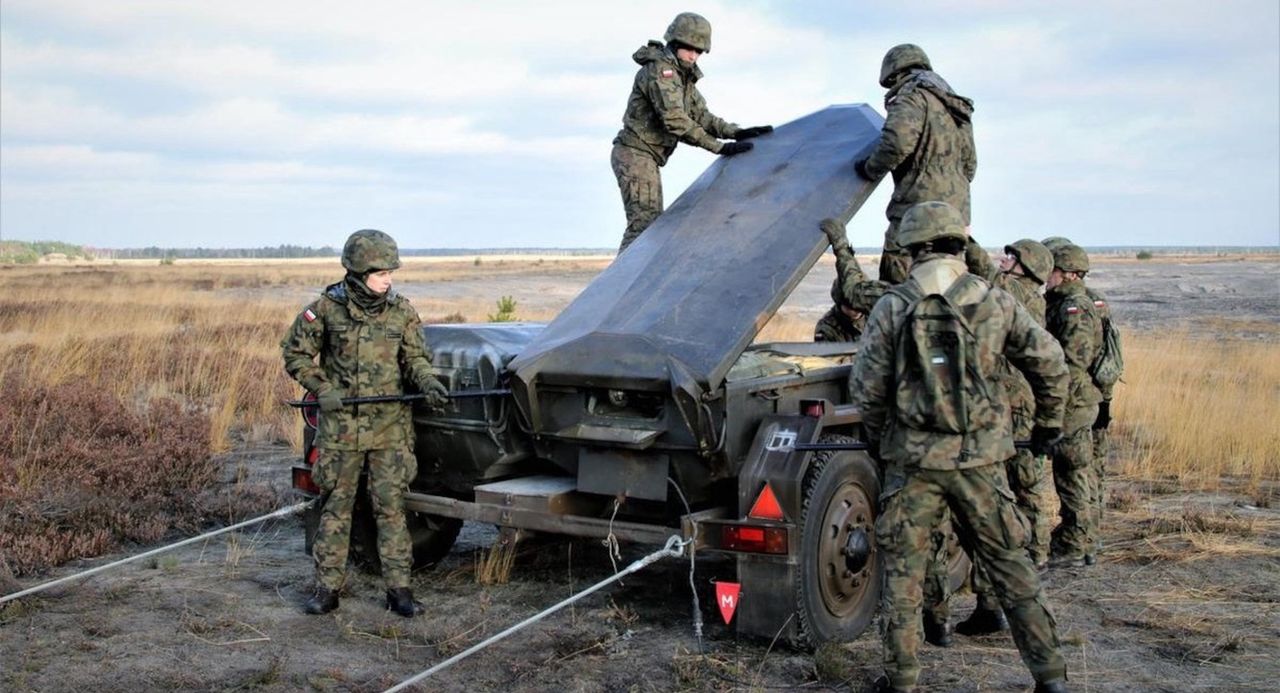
[
  {"x": 1144, "y": 255},
  {"x": 506, "y": 310}
]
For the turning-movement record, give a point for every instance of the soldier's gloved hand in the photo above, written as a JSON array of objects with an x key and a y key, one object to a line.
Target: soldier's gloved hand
[
  {"x": 437, "y": 395},
  {"x": 1104, "y": 416},
  {"x": 748, "y": 133},
  {"x": 732, "y": 148},
  {"x": 330, "y": 400},
  {"x": 834, "y": 231},
  {"x": 860, "y": 167},
  {"x": 1043, "y": 439}
]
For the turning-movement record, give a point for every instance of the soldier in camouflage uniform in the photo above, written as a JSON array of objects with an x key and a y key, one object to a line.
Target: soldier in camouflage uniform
[
  {"x": 1023, "y": 271},
  {"x": 369, "y": 342},
  {"x": 1103, "y": 422},
  {"x": 1072, "y": 318},
  {"x": 852, "y": 293},
  {"x": 665, "y": 107},
  {"x": 909, "y": 426},
  {"x": 926, "y": 143}
]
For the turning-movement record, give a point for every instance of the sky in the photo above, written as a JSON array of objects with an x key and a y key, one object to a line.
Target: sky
[{"x": 185, "y": 123}]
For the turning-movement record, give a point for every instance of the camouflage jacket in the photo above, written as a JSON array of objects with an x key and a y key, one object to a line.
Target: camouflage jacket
[
  {"x": 665, "y": 107},
  {"x": 1002, "y": 329},
  {"x": 856, "y": 290},
  {"x": 1072, "y": 318},
  {"x": 927, "y": 143},
  {"x": 835, "y": 326},
  {"x": 1027, "y": 292},
  {"x": 361, "y": 356}
]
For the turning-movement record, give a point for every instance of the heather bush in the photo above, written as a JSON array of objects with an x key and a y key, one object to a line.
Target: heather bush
[{"x": 81, "y": 473}]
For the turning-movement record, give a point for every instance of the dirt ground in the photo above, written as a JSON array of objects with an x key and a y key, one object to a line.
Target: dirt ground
[{"x": 1185, "y": 598}]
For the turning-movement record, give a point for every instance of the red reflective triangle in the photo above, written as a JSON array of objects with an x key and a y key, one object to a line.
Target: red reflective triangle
[{"x": 766, "y": 506}]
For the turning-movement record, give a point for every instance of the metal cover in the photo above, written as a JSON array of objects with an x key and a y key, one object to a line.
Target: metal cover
[{"x": 684, "y": 300}]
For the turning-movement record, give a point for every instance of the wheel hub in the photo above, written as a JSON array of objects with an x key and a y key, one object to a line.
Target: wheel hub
[{"x": 846, "y": 549}]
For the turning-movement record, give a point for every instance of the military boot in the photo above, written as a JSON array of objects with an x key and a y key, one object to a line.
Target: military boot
[
  {"x": 401, "y": 601},
  {"x": 884, "y": 685},
  {"x": 322, "y": 602},
  {"x": 983, "y": 622},
  {"x": 1054, "y": 686},
  {"x": 937, "y": 631}
]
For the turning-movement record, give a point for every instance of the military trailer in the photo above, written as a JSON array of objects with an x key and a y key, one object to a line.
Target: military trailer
[{"x": 644, "y": 410}]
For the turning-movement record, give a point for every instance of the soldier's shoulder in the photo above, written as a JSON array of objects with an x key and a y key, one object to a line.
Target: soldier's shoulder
[
  {"x": 1075, "y": 307},
  {"x": 1098, "y": 298},
  {"x": 401, "y": 304}
]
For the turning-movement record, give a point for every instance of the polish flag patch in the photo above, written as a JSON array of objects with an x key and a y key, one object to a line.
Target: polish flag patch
[
  {"x": 668, "y": 73},
  {"x": 309, "y": 315},
  {"x": 1100, "y": 304},
  {"x": 1072, "y": 310}
]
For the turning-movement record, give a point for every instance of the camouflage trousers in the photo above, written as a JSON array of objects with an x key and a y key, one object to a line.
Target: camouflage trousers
[
  {"x": 1101, "y": 448},
  {"x": 895, "y": 261},
  {"x": 337, "y": 473},
  {"x": 988, "y": 522},
  {"x": 1073, "y": 477},
  {"x": 640, "y": 183},
  {"x": 1030, "y": 484}
]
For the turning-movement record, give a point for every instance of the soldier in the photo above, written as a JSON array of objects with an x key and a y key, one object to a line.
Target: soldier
[
  {"x": 921, "y": 382},
  {"x": 926, "y": 143},
  {"x": 1024, "y": 269},
  {"x": 1072, "y": 318},
  {"x": 369, "y": 341},
  {"x": 1103, "y": 422},
  {"x": 851, "y": 292},
  {"x": 664, "y": 108}
]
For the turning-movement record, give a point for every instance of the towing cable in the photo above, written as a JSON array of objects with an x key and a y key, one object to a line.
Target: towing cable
[
  {"x": 674, "y": 548},
  {"x": 282, "y": 512}
]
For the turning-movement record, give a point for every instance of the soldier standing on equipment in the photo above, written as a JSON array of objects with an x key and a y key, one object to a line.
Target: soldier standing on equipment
[
  {"x": 926, "y": 143},
  {"x": 665, "y": 108},
  {"x": 1073, "y": 319},
  {"x": 1103, "y": 422},
  {"x": 1024, "y": 269},
  {"x": 921, "y": 381},
  {"x": 852, "y": 293},
  {"x": 369, "y": 342}
]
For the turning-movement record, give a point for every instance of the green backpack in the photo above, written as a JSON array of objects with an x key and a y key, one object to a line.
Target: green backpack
[
  {"x": 1107, "y": 368},
  {"x": 937, "y": 370}
]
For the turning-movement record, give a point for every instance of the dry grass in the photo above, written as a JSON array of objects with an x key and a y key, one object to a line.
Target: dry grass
[{"x": 1197, "y": 411}]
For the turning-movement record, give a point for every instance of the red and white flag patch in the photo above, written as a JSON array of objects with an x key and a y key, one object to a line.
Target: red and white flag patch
[
  {"x": 668, "y": 73},
  {"x": 309, "y": 315},
  {"x": 1072, "y": 310},
  {"x": 1100, "y": 304}
]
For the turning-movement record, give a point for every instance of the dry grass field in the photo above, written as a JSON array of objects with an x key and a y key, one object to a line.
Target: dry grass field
[{"x": 137, "y": 400}]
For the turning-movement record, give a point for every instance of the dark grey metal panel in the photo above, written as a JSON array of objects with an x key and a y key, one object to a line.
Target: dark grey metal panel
[{"x": 691, "y": 293}]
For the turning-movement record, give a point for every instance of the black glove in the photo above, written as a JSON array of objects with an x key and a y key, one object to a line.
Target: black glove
[
  {"x": 748, "y": 133},
  {"x": 834, "y": 231},
  {"x": 1104, "y": 416},
  {"x": 860, "y": 167},
  {"x": 731, "y": 148},
  {"x": 1043, "y": 439},
  {"x": 437, "y": 395},
  {"x": 330, "y": 400}
]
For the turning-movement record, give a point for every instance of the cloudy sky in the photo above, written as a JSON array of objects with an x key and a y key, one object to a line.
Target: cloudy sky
[{"x": 488, "y": 124}]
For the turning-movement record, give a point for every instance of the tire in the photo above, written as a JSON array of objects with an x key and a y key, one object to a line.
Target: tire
[
  {"x": 432, "y": 535},
  {"x": 837, "y": 586}
]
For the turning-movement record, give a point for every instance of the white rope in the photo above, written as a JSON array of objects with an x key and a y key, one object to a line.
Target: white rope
[
  {"x": 282, "y": 512},
  {"x": 673, "y": 548},
  {"x": 611, "y": 545}
]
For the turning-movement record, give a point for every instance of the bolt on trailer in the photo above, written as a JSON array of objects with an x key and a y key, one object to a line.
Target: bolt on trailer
[{"x": 643, "y": 409}]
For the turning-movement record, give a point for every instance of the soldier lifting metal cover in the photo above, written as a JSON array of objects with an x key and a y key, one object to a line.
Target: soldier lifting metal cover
[{"x": 685, "y": 300}]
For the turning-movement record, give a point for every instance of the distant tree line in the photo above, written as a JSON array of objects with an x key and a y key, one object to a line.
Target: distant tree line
[
  {"x": 29, "y": 252},
  {"x": 155, "y": 253}
]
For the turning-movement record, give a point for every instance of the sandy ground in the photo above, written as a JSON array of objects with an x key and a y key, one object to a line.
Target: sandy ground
[{"x": 1186, "y": 597}]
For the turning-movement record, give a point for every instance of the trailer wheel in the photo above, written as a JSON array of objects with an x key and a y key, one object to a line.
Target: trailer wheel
[
  {"x": 432, "y": 535},
  {"x": 838, "y": 583}
]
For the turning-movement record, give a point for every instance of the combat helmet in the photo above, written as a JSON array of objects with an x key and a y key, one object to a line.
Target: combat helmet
[
  {"x": 690, "y": 29},
  {"x": 369, "y": 250},
  {"x": 1070, "y": 257},
  {"x": 1054, "y": 242},
  {"x": 930, "y": 221},
  {"x": 1035, "y": 258},
  {"x": 902, "y": 57}
]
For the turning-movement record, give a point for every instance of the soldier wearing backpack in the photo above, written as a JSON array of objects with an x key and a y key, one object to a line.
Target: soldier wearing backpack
[
  {"x": 1073, "y": 319},
  {"x": 1106, "y": 372},
  {"x": 924, "y": 382}
]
